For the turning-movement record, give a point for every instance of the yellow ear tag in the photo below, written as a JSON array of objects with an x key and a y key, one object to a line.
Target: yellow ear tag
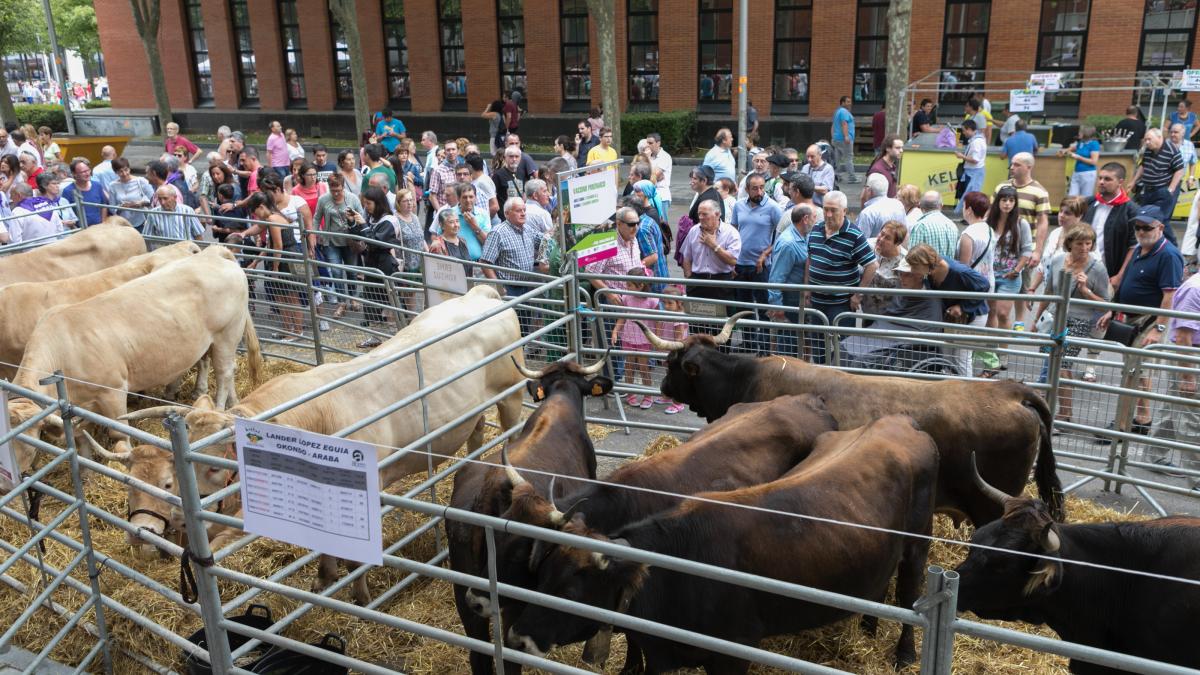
[
  {"x": 541, "y": 393},
  {"x": 597, "y": 390}
]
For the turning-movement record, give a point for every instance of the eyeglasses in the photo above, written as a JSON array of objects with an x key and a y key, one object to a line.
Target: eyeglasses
[
  {"x": 631, "y": 223},
  {"x": 1143, "y": 227}
]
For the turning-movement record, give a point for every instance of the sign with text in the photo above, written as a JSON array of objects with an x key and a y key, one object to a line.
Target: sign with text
[
  {"x": 1045, "y": 81},
  {"x": 592, "y": 197},
  {"x": 1027, "y": 100},
  {"x": 1191, "y": 80},
  {"x": 310, "y": 490},
  {"x": 10, "y": 473},
  {"x": 444, "y": 280},
  {"x": 595, "y": 247}
]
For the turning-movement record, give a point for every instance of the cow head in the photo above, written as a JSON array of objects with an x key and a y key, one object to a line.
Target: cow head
[
  {"x": 566, "y": 374},
  {"x": 155, "y": 466},
  {"x": 997, "y": 584},
  {"x": 21, "y": 410},
  {"x": 203, "y": 420},
  {"x": 583, "y": 576},
  {"x": 694, "y": 367}
]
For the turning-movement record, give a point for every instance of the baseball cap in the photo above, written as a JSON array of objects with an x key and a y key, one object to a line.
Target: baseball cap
[
  {"x": 779, "y": 160},
  {"x": 704, "y": 171},
  {"x": 1149, "y": 214}
]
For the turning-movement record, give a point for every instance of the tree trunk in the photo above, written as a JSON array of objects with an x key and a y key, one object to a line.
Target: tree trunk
[
  {"x": 899, "y": 20},
  {"x": 7, "y": 112},
  {"x": 346, "y": 14},
  {"x": 603, "y": 13},
  {"x": 145, "y": 19}
]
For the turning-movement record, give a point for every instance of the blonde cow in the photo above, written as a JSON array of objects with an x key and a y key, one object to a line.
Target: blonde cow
[
  {"x": 23, "y": 304},
  {"x": 141, "y": 335},
  {"x": 356, "y": 399},
  {"x": 95, "y": 248}
]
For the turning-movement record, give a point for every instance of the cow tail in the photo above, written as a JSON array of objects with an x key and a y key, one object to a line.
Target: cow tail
[
  {"x": 254, "y": 353},
  {"x": 1045, "y": 473}
]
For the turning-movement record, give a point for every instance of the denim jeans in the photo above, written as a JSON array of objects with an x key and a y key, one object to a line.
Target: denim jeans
[
  {"x": 974, "y": 178},
  {"x": 817, "y": 342},
  {"x": 338, "y": 255},
  {"x": 1165, "y": 200},
  {"x": 753, "y": 338},
  {"x": 786, "y": 340}
]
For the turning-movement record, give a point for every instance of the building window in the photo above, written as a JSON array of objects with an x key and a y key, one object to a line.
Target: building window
[
  {"x": 510, "y": 23},
  {"x": 643, "y": 51},
  {"x": 1167, "y": 33},
  {"x": 195, "y": 21},
  {"x": 716, "y": 50},
  {"x": 577, "y": 71},
  {"x": 964, "y": 47},
  {"x": 1062, "y": 39},
  {"x": 344, "y": 81},
  {"x": 793, "y": 42},
  {"x": 293, "y": 65},
  {"x": 395, "y": 43},
  {"x": 247, "y": 73},
  {"x": 871, "y": 52},
  {"x": 454, "y": 63}
]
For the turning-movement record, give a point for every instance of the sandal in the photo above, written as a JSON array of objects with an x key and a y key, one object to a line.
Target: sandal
[
  {"x": 633, "y": 400},
  {"x": 647, "y": 403},
  {"x": 674, "y": 408},
  {"x": 989, "y": 373}
]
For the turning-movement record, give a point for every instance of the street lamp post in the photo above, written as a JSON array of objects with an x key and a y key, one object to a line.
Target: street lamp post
[{"x": 60, "y": 67}]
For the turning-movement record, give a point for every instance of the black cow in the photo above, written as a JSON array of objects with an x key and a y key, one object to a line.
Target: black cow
[
  {"x": 1128, "y": 613},
  {"x": 553, "y": 441},
  {"x": 1006, "y": 423},
  {"x": 882, "y": 476}
]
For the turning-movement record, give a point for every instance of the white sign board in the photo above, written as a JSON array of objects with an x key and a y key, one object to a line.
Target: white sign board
[
  {"x": 10, "y": 473},
  {"x": 310, "y": 490},
  {"x": 1045, "y": 81},
  {"x": 593, "y": 197},
  {"x": 444, "y": 280},
  {"x": 1191, "y": 80},
  {"x": 1026, "y": 100}
]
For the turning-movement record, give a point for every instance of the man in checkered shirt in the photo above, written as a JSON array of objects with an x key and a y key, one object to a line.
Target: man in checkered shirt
[{"x": 513, "y": 246}]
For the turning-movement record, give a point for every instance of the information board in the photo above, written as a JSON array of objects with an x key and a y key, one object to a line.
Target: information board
[
  {"x": 592, "y": 197},
  {"x": 444, "y": 280},
  {"x": 1026, "y": 100},
  {"x": 1045, "y": 81},
  {"x": 310, "y": 490},
  {"x": 1191, "y": 80},
  {"x": 10, "y": 473},
  {"x": 595, "y": 247}
]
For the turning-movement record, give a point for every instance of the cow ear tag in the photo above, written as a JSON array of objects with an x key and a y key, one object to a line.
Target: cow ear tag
[
  {"x": 541, "y": 393},
  {"x": 597, "y": 390}
]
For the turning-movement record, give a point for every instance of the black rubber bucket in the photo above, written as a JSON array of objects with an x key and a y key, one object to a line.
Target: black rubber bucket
[
  {"x": 257, "y": 616},
  {"x": 281, "y": 661}
]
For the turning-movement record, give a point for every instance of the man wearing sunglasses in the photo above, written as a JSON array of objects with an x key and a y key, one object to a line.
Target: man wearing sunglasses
[{"x": 1153, "y": 273}]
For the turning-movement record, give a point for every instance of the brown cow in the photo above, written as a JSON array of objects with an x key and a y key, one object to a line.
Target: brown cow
[
  {"x": 1006, "y": 424},
  {"x": 882, "y": 476}
]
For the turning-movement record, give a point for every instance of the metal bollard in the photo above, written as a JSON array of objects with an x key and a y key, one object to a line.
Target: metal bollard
[{"x": 313, "y": 317}]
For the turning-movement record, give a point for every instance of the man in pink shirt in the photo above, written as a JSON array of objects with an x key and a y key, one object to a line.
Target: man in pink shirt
[
  {"x": 277, "y": 150},
  {"x": 175, "y": 140}
]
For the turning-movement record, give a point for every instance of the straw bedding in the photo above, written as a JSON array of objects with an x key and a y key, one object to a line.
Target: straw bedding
[{"x": 842, "y": 646}]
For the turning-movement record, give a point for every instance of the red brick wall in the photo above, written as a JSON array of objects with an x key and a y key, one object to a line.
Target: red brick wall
[
  {"x": 1114, "y": 35},
  {"x": 483, "y": 53},
  {"x": 317, "y": 55},
  {"x": 543, "y": 56},
  {"x": 121, "y": 45},
  {"x": 678, "y": 27},
  {"x": 760, "y": 61},
  {"x": 1012, "y": 43},
  {"x": 832, "y": 57},
  {"x": 268, "y": 53},
  {"x": 221, "y": 53},
  {"x": 925, "y": 37},
  {"x": 424, "y": 55},
  {"x": 370, "y": 30}
]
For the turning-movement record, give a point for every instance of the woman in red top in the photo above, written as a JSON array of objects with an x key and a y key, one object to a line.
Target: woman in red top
[{"x": 308, "y": 188}]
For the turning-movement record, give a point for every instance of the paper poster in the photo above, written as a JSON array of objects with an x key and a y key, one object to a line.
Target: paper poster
[
  {"x": 10, "y": 473},
  {"x": 596, "y": 247},
  {"x": 592, "y": 197},
  {"x": 444, "y": 280},
  {"x": 1045, "y": 81},
  {"x": 1026, "y": 100},
  {"x": 1191, "y": 80},
  {"x": 310, "y": 490}
]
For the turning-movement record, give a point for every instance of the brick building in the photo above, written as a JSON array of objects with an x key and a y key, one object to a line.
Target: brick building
[{"x": 448, "y": 56}]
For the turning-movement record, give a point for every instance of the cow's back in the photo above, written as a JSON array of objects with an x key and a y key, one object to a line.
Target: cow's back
[{"x": 94, "y": 248}]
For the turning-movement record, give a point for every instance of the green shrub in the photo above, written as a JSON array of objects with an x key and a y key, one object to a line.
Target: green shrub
[
  {"x": 1103, "y": 122},
  {"x": 676, "y": 128},
  {"x": 43, "y": 115},
  {"x": 97, "y": 103}
]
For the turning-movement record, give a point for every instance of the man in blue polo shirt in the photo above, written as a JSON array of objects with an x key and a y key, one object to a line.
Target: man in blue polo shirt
[
  {"x": 838, "y": 255},
  {"x": 843, "y": 141},
  {"x": 1020, "y": 141},
  {"x": 755, "y": 218},
  {"x": 389, "y": 131},
  {"x": 1150, "y": 280}
]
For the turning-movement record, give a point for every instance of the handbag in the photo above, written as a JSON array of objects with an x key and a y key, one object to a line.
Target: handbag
[{"x": 1121, "y": 332}]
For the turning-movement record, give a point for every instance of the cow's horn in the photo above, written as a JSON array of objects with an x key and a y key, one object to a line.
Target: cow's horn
[
  {"x": 531, "y": 374},
  {"x": 155, "y": 412},
  {"x": 727, "y": 331},
  {"x": 600, "y": 560},
  {"x": 597, "y": 366},
  {"x": 106, "y": 454},
  {"x": 997, "y": 495},
  {"x": 513, "y": 476},
  {"x": 659, "y": 343},
  {"x": 1052, "y": 541},
  {"x": 54, "y": 421}
]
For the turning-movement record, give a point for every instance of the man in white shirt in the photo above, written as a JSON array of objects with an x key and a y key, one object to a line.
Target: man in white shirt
[
  {"x": 7, "y": 147},
  {"x": 661, "y": 159},
  {"x": 974, "y": 156},
  {"x": 720, "y": 158},
  {"x": 878, "y": 208},
  {"x": 485, "y": 187},
  {"x": 173, "y": 219},
  {"x": 103, "y": 172},
  {"x": 537, "y": 204},
  {"x": 33, "y": 217}
]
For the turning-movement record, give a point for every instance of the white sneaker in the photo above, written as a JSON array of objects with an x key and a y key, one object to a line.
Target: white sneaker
[
  {"x": 319, "y": 299},
  {"x": 1089, "y": 374},
  {"x": 324, "y": 326}
]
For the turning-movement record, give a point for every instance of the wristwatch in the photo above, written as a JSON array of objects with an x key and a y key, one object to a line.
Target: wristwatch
[{"x": 1162, "y": 327}]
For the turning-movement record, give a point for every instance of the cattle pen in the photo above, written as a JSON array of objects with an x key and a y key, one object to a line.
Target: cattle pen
[{"x": 76, "y": 600}]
